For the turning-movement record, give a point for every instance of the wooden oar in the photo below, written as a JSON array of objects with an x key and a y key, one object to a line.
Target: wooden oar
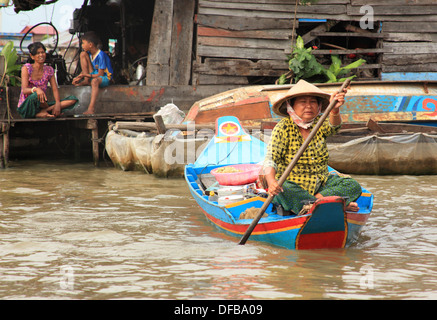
[{"x": 290, "y": 167}]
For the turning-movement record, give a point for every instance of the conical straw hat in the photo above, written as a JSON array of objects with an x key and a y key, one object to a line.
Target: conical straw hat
[{"x": 301, "y": 88}]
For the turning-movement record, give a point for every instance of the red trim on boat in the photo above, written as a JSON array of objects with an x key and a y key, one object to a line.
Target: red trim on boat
[
  {"x": 261, "y": 228},
  {"x": 334, "y": 239}
]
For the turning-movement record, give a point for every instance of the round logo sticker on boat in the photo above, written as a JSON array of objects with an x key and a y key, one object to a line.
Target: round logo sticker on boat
[{"x": 229, "y": 128}]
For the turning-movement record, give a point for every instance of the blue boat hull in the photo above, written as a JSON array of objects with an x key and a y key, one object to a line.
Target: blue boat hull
[{"x": 326, "y": 225}]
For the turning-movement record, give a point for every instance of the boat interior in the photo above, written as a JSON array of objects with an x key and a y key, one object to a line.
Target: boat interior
[{"x": 202, "y": 182}]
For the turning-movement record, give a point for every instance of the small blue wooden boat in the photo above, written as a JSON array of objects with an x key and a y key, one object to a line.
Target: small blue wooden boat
[{"x": 326, "y": 225}]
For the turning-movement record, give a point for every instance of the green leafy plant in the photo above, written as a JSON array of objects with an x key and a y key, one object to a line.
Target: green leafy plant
[
  {"x": 304, "y": 65},
  {"x": 336, "y": 70},
  {"x": 12, "y": 72}
]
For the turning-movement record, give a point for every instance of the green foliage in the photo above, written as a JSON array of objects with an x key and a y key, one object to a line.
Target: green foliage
[
  {"x": 307, "y": 2},
  {"x": 304, "y": 65},
  {"x": 13, "y": 70},
  {"x": 336, "y": 70}
]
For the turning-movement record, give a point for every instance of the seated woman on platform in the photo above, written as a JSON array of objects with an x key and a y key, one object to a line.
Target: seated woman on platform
[
  {"x": 34, "y": 80},
  {"x": 301, "y": 108}
]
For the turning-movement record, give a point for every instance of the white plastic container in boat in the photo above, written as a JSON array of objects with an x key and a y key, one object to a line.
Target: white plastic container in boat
[
  {"x": 230, "y": 190},
  {"x": 235, "y": 190},
  {"x": 223, "y": 201}
]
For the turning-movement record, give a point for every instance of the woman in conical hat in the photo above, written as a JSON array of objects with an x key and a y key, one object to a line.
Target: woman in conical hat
[{"x": 301, "y": 108}]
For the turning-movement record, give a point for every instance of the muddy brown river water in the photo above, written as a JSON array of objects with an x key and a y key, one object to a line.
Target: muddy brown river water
[{"x": 73, "y": 231}]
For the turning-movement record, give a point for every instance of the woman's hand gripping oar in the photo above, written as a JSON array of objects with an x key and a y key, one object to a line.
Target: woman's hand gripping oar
[{"x": 290, "y": 167}]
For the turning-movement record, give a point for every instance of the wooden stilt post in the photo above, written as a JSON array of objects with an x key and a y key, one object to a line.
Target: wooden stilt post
[
  {"x": 92, "y": 125},
  {"x": 4, "y": 145},
  {"x": 5, "y": 130},
  {"x": 2, "y": 163}
]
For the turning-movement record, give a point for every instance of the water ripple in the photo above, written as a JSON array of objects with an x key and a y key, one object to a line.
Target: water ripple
[{"x": 73, "y": 233}]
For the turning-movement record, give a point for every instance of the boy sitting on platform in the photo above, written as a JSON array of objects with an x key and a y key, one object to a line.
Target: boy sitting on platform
[{"x": 96, "y": 68}]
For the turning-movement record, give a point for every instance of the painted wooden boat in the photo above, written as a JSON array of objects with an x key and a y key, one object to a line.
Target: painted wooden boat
[
  {"x": 326, "y": 225},
  {"x": 389, "y": 101},
  {"x": 408, "y": 103},
  {"x": 395, "y": 149}
]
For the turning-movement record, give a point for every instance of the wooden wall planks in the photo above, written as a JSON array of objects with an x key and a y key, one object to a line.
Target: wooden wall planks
[
  {"x": 182, "y": 42},
  {"x": 158, "y": 67},
  {"x": 240, "y": 39},
  {"x": 227, "y": 41},
  {"x": 247, "y": 37},
  {"x": 170, "y": 46}
]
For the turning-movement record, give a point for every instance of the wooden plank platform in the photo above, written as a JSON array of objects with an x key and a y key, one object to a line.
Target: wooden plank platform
[
  {"x": 75, "y": 122},
  {"x": 115, "y": 103}
]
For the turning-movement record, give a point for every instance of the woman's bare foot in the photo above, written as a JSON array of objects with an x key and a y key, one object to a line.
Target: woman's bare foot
[
  {"x": 44, "y": 114},
  {"x": 353, "y": 206},
  {"x": 89, "y": 112}
]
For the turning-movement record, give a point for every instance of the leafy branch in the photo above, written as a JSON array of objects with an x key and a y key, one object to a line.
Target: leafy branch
[
  {"x": 336, "y": 70},
  {"x": 12, "y": 72},
  {"x": 304, "y": 65}
]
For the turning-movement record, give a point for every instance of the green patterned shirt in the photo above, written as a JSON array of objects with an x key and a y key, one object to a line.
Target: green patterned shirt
[{"x": 312, "y": 168}]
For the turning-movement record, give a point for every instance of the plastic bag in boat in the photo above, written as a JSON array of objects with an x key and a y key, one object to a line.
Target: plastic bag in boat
[{"x": 170, "y": 113}]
